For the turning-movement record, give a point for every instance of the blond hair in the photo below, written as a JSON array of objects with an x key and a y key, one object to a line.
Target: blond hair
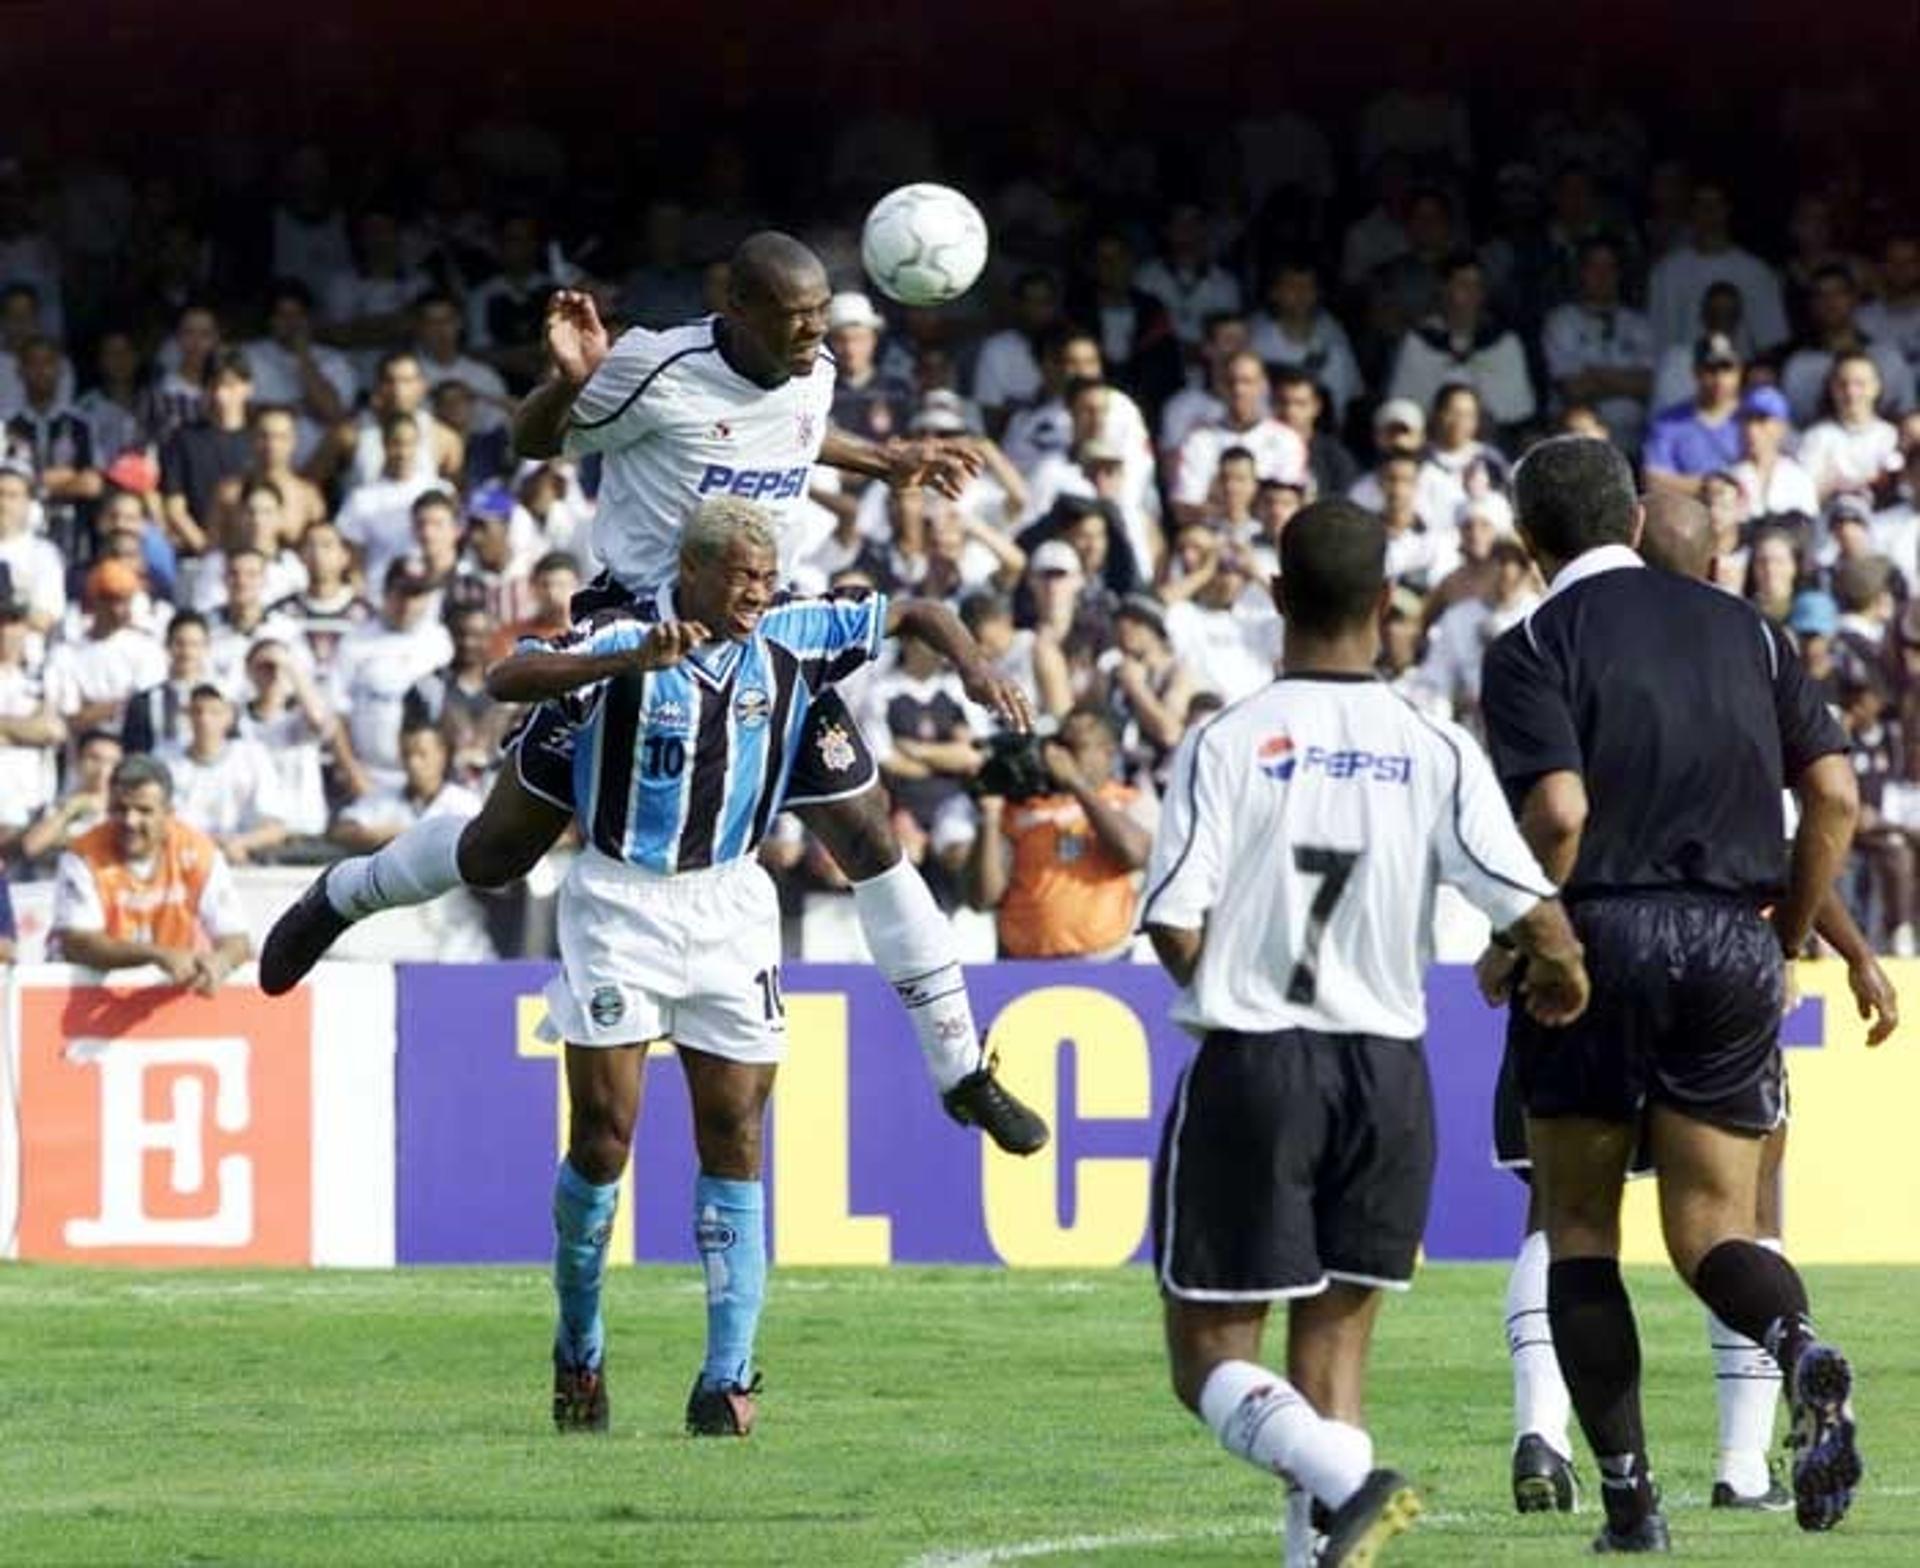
[{"x": 717, "y": 522}]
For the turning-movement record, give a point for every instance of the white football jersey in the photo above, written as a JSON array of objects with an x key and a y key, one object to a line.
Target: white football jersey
[
  {"x": 677, "y": 423},
  {"x": 1307, "y": 828}
]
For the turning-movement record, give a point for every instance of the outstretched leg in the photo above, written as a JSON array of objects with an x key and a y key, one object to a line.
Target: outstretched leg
[{"x": 912, "y": 945}]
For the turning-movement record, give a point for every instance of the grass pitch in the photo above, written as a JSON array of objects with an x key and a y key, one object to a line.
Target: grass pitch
[{"x": 913, "y": 1416}]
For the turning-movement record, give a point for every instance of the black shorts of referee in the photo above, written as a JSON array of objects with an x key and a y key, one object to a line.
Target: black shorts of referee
[
  {"x": 1291, "y": 1160},
  {"x": 1687, "y": 994}
]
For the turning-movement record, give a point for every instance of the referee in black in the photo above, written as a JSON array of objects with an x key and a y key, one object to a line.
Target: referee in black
[{"x": 1644, "y": 727}]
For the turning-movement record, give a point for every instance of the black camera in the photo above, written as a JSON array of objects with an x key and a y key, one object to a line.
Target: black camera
[{"x": 1014, "y": 769}]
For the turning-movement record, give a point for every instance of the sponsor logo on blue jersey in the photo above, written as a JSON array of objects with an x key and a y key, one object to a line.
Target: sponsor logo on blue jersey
[
  {"x": 751, "y": 707},
  {"x": 754, "y": 484},
  {"x": 1280, "y": 757},
  {"x": 668, "y": 717}
]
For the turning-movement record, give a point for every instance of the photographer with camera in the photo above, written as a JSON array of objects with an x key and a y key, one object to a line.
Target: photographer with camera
[{"x": 1061, "y": 840}]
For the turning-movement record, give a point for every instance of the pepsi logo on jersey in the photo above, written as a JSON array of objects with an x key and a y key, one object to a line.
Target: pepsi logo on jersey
[
  {"x": 1279, "y": 758},
  {"x": 754, "y": 484}
]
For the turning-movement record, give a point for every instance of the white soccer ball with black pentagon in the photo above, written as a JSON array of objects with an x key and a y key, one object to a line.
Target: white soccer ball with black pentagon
[{"x": 924, "y": 244}]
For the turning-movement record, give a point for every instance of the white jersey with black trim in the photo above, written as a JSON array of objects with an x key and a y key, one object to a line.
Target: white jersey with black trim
[
  {"x": 675, "y": 424},
  {"x": 1307, "y": 828}
]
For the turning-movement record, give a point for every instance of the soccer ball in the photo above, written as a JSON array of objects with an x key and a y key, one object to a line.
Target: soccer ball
[{"x": 924, "y": 244}]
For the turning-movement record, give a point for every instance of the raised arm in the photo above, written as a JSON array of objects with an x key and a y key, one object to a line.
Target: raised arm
[
  {"x": 577, "y": 342},
  {"x": 939, "y": 628},
  {"x": 540, "y": 673}
]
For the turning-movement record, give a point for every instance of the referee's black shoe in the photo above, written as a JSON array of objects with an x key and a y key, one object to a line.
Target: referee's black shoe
[
  {"x": 1649, "y": 1535},
  {"x": 1385, "y": 1506},
  {"x": 1544, "y": 1479},
  {"x": 981, "y": 1100},
  {"x": 300, "y": 938}
]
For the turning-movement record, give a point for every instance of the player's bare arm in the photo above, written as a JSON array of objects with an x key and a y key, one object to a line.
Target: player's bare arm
[
  {"x": 1873, "y": 992},
  {"x": 539, "y": 674},
  {"x": 942, "y": 465},
  {"x": 1178, "y": 949},
  {"x": 1829, "y": 797},
  {"x": 577, "y": 343},
  {"x": 938, "y": 627}
]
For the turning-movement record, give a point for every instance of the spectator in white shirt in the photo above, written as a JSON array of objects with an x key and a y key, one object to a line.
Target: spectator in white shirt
[
  {"x": 377, "y": 518},
  {"x": 1855, "y": 449},
  {"x": 1400, "y": 430},
  {"x": 1709, "y": 256},
  {"x": 1226, "y": 632},
  {"x": 309, "y": 234},
  {"x": 437, "y": 343},
  {"x": 1300, "y": 405},
  {"x": 244, "y": 617},
  {"x": 365, "y": 304},
  {"x": 1006, "y": 375},
  {"x": 286, "y": 716},
  {"x": 1722, "y": 315},
  {"x": 1380, "y": 234},
  {"x": 1831, "y": 304},
  {"x": 1225, "y": 334},
  {"x": 290, "y": 370},
  {"x": 258, "y": 523},
  {"x": 1278, "y": 452},
  {"x": 1418, "y": 555},
  {"x": 1295, "y": 330},
  {"x": 1068, "y": 356},
  {"x": 1184, "y": 276},
  {"x": 37, "y": 576},
  {"x": 1772, "y": 483},
  {"x": 375, "y": 667},
  {"x": 1598, "y": 351},
  {"x": 157, "y": 716},
  {"x": 30, "y": 729},
  {"x": 1893, "y": 315},
  {"x": 227, "y": 788},
  {"x": 1458, "y": 641},
  {"x": 354, "y": 452},
  {"x": 1461, "y": 344},
  {"x": 504, "y": 311},
  {"x": 1457, "y": 463},
  {"x": 90, "y": 680}
]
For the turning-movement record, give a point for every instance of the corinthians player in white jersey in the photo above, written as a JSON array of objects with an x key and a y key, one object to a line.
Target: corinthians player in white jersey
[
  {"x": 737, "y": 405},
  {"x": 1305, "y": 831}
]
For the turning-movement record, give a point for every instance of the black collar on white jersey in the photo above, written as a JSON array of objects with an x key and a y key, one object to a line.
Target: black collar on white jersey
[{"x": 1338, "y": 677}]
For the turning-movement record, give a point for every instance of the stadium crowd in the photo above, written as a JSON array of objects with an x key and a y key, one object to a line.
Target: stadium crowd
[{"x": 260, "y": 515}]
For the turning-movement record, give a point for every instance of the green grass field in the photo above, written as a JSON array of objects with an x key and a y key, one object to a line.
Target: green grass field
[{"x": 913, "y": 1417}]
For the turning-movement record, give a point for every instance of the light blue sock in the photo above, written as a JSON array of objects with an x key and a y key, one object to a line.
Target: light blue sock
[
  {"x": 582, "y": 1219},
  {"x": 729, "y": 1226}
]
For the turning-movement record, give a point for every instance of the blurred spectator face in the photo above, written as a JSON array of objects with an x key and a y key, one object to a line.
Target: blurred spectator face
[
  {"x": 1811, "y": 226},
  {"x": 405, "y": 611},
  {"x": 231, "y": 392},
  {"x": 13, "y": 641},
  {"x": 1581, "y": 420},
  {"x": 1464, "y": 294},
  {"x": 1275, "y": 508},
  {"x": 490, "y": 542},
  {"x": 402, "y": 386},
  {"x": 289, "y": 323},
  {"x": 246, "y": 580},
  {"x": 1195, "y": 546},
  {"x": 918, "y": 659},
  {"x": 1429, "y": 225},
  {"x": 210, "y": 719},
  {"x": 139, "y": 815},
  {"x": 1088, "y": 412},
  {"x": 111, "y": 611},
  {"x": 19, "y": 316},
  {"x": 1399, "y": 483},
  {"x": 1709, "y": 214},
  {"x": 1109, "y": 479},
  {"x": 16, "y": 501},
  {"x": 436, "y": 534},
  {"x": 1297, "y": 406},
  {"x": 324, "y": 554},
  {"x": 854, "y": 347},
  {"x": 1900, "y": 266},
  {"x": 273, "y": 440},
  {"x": 186, "y": 650},
  {"x": 1400, "y": 642},
  {"x": 1088, "y": 536},
  {"x": 1724, "y": 503},
  {"x": 266, "y": 663},
  {"x": 453, "y": 405},
  {"x": 1135, "y": 638},
  {"x": 1774, "y": 568},
  {"x": 197, "y": 336},
  {"x": 99, "y": 756},
  {"x": 1080, "y": 357},
  {"x": 1112, "y": 265},
  {"x": 1832, "y": 303},
  {"x": 1722, "y": 308},
  {"x": 1246, "y": 389},
  {"x": 40, "y": 370},
  {"x": 1456, "y": 418},
  {"x": 1477, "y": 534},
  {"x": 1054, "y": 595},
  {"x": 1762, "y": 439},
  {"x": 1855, "y": 384},
  {"x": 1511, "y": 575},
  {"x": 1600, "y": 277},
  {"x": 438, "y": 328},
  {"x": 541, "y": 490},
  {"x": 472, "y": 631},
  {"x": 423, "y": 758},
  {"x": 1229, "y": 581},
  {"x": 120, "y": 512},
  {"x": 1715, "y": 384},
  {"x": 1091, "y": 742},
  {"x": 1851, "y": 536},
  {"x": 1239, "y": 481},
  {"x": 1295, "y": 294},
  {"x": 1224, "y": 339},
  {"x": 265, "y": 522},
  {"x": 117, "y": 361},
  {"x": 553, "y": 592},
  {"x": 1037, "y": 306},
  {"x": 401, "y": 443},
  {"x": 933, "y": 370},
  {"x": 994, "y": 632}
]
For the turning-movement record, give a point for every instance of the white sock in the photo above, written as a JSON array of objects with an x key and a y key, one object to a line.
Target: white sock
[
  {"x": 1747, "y": 1387},
  {"x": 415, "y": 868},
  {"x": 912, "y": 945},
  {"x": 1302, "y": 1548},
  {"x": 1541, "y": 1403},
  {"x": 1264, "y": 1419}
]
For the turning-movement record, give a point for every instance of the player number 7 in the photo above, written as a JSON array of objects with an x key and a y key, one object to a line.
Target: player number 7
[{"x": 1333, "y": 867}]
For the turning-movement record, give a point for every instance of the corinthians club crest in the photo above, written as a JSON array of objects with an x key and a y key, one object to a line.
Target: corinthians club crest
[
  {"x": 808, "y": 429},
  {"x": 836, "y": 749}
]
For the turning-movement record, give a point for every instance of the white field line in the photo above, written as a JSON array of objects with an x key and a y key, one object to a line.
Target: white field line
[{"x": 1119, "y": 1540}]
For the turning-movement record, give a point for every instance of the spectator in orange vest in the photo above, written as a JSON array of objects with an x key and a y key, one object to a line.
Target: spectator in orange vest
[
  {"x": 142, "y": 887},
  {"x": 1059, "y": 869}
]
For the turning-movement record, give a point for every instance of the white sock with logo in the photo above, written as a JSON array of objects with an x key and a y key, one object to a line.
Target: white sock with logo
[
  {"x": 1541, "y": 1403},
  {"x": 415, "y": 868},
  {"x": 1747, "y": 1388},
  {"x": 1264, "y": 1419},
  {"x": 912, "y": 945}
]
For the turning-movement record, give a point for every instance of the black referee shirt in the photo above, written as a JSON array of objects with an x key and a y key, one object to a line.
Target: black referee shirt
[{"x": 1684, "y": 711}]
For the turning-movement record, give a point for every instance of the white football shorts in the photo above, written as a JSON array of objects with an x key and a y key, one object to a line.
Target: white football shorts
[{"x": 692, "y": 958}]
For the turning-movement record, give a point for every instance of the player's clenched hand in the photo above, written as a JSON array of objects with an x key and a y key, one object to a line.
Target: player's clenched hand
[
  {"x": 577, "y": 339},
  {"x": 1494, "y": 970},
  {"x": 1555, "y": 990},
  {"x": 945, "y": 466},
  {"x": 1874, "y": 995},
  {"x": 667, "y": 644},
  {"x": 1002, "y": 698}
]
